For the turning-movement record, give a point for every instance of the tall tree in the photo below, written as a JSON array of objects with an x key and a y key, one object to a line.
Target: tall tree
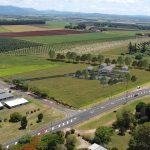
[
  {"x": 141, "y": 138},
  {"x": 120, "y": 60},
  {"x": 24, "y": 122},
  {"x": 71, "y": 142},
  {"x": 52, "y": 54},
  {"x": 103, "y": 135}
]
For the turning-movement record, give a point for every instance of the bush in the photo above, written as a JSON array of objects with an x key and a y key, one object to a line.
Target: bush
[
  {"x": 15, "y": 117},
  {"x": 25, "y": 139}
]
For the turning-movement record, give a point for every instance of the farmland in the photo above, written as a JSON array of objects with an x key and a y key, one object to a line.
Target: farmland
[{"x": 76, "y": 92}]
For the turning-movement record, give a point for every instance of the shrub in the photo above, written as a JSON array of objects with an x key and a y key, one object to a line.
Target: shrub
[{"x": 15, "y": 117}]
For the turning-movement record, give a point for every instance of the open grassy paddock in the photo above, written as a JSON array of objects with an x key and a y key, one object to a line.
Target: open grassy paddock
[
  {"x": 2, "y": 29},
  {"x": 10, "y": 65},
  {"x": 22, "y": 28},
  {"x": 100, "y": 36},
  {"x": 10, "y": 131},
  {"x": 78, "y": 93},
  {"x": 121, "y": 142}
]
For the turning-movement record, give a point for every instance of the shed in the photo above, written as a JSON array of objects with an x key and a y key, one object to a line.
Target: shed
[
  {"x": 4, "y": 96},
  {"x": 96, "y": 147},
  {"x": 1, "y": 105},
  {"x": 16, "y": 102}
]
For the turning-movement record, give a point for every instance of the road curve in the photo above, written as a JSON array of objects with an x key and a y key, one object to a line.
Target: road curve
[{"x": 87, "y": 114}]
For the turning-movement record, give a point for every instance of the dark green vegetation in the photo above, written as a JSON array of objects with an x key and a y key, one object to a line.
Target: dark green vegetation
[
  {"x": 129, "y": 125},
  {"x": 53, "y": 141},
  {"x": 8, "y": 44},
  {"x": 21, "y": 22}
]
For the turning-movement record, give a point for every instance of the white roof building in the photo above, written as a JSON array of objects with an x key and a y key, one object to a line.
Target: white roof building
[
  {"x": 96, "y": 147},
  {"x": 16, "y": 102},
  {"x": 1, "y": 105}
]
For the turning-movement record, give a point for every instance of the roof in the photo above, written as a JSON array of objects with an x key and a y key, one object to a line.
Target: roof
[
  {"x": 96, "y": 147},
  {"x": 1, "y": 105},
  {"x": 16, "y": 102},
  {"x": 2, "y": 91},
  {"x": 5, "y": 95}
]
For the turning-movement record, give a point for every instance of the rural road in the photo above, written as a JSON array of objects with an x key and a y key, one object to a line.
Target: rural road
[{"x": 88, "y": 114}]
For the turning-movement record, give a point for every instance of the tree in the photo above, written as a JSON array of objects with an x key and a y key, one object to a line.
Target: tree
[
  {"x": 40, "y": 117},
  {"x": 128, "y": 61},
  {"x": 50, "y": 141},
  {"x": 78, "y": 74},
  {"x": 103, "y": 80},
  {"x": 120, "y": 60},
  {"x": 25, "y": 139},
  {"x": 114, "y": 148},
  {"x": 141, "y": 138},
  {"x": 103, "y": 135},
  {"x": 24, "y": 122},
  {"x": 125, "y": 119},
  {"x": 107, "y": 61},
  {"x": 71, "y": 142},
  {"x": 100, "y": 58},
  {"x": 15, "y": 117},
  {"x": 85, "y": 73},
  {"x": 145, "y": 63},
  {"x": 52, "y": 54},
  {"x": 60, "y": 147},
  {"x": 127, "y": 77},
  {"x": 114, "y": 61},
  {"x": 133, "y": 78}
]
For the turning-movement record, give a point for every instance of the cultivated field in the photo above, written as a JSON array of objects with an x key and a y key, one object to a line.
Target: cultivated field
[
  {"x": 12, "y": 131},
  {"x": 22, "y": 28}
]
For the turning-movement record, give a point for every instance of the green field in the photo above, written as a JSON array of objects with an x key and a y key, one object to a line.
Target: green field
[
  {"x": 58, "y": 24},
  {"x": 104, "y": 36},
  {"x": 78, "y": 93},
  {"x": 2, "y": 29},
  {"x": 10, "y": 65}
]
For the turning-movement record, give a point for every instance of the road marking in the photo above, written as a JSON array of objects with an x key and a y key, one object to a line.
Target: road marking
[
  {"x": 46, "y": 131},
  {"x": 59, "y": 126},
  {"x": 71, "y": 120},
  {"x": 16, "y": 143},
  {"x": 7, "y": 146},
  {"x": 63, "y": 124},
  {"x": 52, "y": 128},
  {"x": 67, "y": 122},
  {"x": 102, "y": 107}
]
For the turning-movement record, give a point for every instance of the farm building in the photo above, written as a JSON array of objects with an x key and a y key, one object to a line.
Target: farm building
[
  {"x": 1, "y": 105},
  {"x": 16, "y": 102},
  {"x": 124, "y": 69},
  {"x": 96, "y": 147},
  {"x": 5, "y": 95},
  {"x": 106, "y": 69}
]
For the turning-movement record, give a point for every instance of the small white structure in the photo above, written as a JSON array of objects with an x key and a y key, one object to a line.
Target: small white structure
[
  {"x": 1, "y": 105},
  {"x": 96, "y": 147},
  {"x": 90, "y": 68},
  {"x": 16, "y": 102}
]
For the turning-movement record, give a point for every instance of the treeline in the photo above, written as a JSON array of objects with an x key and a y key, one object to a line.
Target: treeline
[
  {"x": 121, "y": 25},
  {"x": 21, "y": 22},
  {"x": 143, "y": 48},
  {"x": 80, "y": 26}
]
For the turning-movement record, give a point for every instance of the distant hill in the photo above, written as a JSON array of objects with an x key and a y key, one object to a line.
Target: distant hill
[{"x": 12, "y": 10}]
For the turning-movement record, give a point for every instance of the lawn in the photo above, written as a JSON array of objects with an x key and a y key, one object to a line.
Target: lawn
[
  {"x": 78, "y": 93},
  {"x": 10, "y": 65},
  {"x": 22, "y": 28},
  {"x": 12, "y": 131},
  {"x": 103, "y": 36}
]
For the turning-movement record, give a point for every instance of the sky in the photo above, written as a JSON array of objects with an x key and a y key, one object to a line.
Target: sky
[{"x": 121, "y": 7}]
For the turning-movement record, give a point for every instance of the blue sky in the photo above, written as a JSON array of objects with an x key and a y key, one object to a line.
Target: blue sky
[{"x": 123, "y": 7}]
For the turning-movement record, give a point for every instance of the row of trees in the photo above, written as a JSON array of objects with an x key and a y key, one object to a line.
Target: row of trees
[
  {"x": 80, "y": 26},
  {"x": 74, "y": 57},
  {"x": 21, "y": 22}
]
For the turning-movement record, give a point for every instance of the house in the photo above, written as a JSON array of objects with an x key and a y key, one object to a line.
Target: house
[
  {"x": 96, "y": 147},
  {"x": 107, "y": 70},
  {"x": 16, "y": 102}
]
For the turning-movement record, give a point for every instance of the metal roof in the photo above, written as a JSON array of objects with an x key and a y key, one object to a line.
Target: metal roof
[
  {"x": 16, "y": 102},
  {"x": 1, "y": 105},
  {"x": 5, "y": 96},
  {"x": 2, "y": 91},
  {"x": 96, "y": 147}
]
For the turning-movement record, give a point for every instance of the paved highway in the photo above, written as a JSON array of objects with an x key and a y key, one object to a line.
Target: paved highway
[{"x": 87, "y": 114}]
